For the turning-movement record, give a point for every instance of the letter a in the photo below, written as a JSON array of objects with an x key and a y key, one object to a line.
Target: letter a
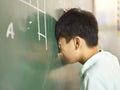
[{"x": 10, "y": 31}]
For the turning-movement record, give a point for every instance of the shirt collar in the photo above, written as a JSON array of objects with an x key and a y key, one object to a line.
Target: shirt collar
[{"x": 89, "y": 63}]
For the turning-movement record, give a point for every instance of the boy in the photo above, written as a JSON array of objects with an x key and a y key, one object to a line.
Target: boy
[{"x": 77, "y": 36}]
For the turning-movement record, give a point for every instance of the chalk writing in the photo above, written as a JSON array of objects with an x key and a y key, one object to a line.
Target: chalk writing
[
  {"x": 38, "y": 19},
  {"x": 10, "y": 31}
]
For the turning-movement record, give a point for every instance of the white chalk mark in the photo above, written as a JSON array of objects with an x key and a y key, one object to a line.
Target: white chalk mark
[
  {"x": 42, "y": 88},
  {"x": 28, "y": 28},
  {"x": 30, "y": 22},
  {"x": 45, "y": 24},
  {"x": 10, "y": 31},
  {"x": 38, "y": 20},
  {"x": 41, "y": 34},
  {"x": 29, "y": 4}
]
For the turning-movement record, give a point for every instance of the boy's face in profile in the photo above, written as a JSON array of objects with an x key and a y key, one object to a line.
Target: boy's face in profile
[{"x": 68, "y": 50}]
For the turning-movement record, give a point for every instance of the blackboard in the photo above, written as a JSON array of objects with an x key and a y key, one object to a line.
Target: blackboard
[{"x": 27, "y": 45}]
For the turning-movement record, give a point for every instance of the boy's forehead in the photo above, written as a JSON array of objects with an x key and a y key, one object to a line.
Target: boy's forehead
[{"x": 61, "y": 40}]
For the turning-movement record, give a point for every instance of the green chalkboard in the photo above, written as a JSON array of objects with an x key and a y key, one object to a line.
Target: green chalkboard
[{"x": 27, "y": 45}]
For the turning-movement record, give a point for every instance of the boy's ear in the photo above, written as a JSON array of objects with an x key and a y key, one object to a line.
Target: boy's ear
[{"x": 77, "y": 42}]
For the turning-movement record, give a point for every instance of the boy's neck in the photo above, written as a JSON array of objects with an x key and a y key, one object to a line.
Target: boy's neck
[{"x": 89, "y": 53}]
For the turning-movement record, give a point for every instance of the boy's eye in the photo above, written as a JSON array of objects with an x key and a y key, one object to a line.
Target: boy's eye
[{"x": 59, "y": 47}]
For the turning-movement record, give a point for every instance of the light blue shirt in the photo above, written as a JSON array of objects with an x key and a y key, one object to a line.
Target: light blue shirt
[{"x": 101, "y": 72}]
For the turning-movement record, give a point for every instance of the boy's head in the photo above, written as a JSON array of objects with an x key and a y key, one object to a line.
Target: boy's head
[{"x": 77, "y": 25}]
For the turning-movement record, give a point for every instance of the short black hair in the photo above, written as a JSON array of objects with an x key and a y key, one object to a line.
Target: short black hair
[{"x": 77, "y": 22}]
